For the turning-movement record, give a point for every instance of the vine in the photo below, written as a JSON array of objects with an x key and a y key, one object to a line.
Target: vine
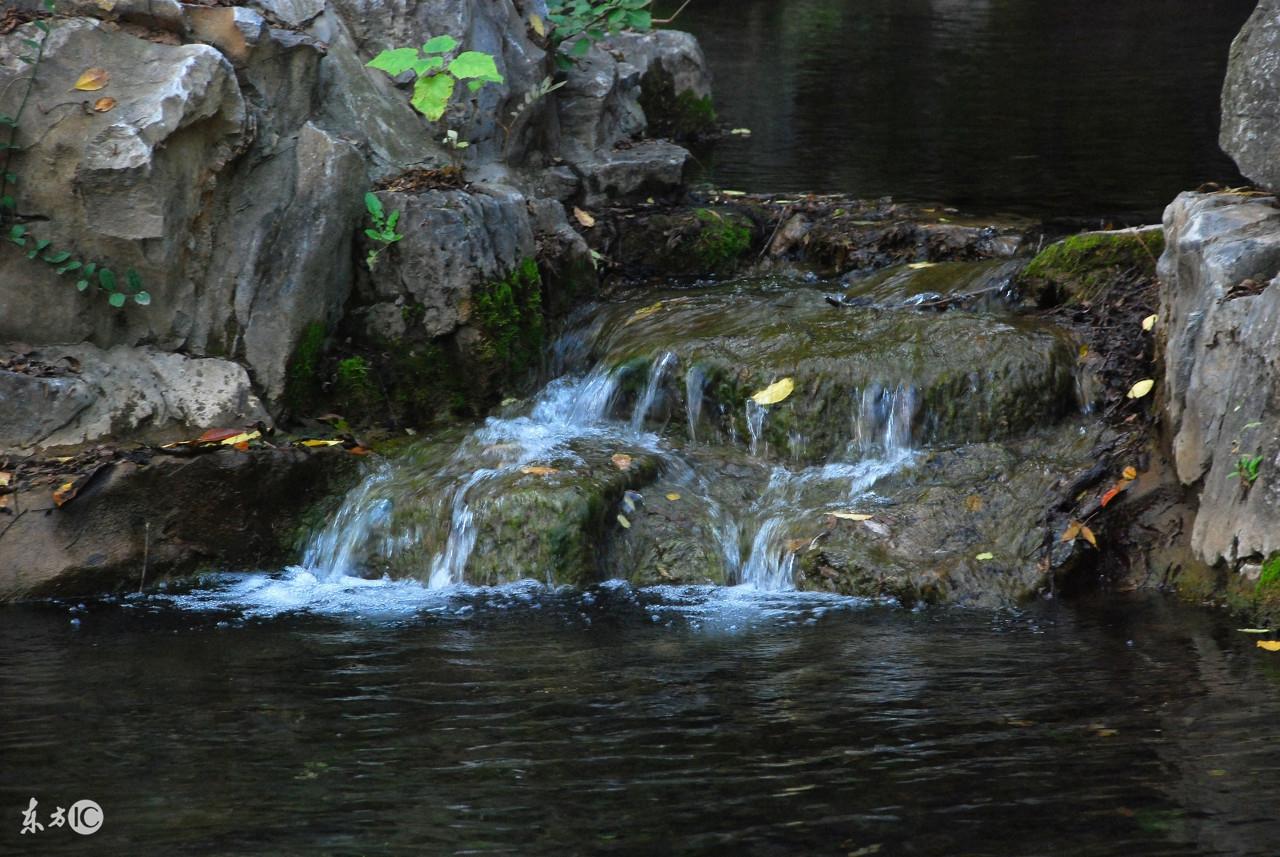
[{"x": 62, "y": 261}]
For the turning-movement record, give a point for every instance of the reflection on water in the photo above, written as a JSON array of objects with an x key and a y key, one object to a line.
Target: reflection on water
[
  {"x": 523, "y": 721},
  {"x": 1041, "y": 106}
]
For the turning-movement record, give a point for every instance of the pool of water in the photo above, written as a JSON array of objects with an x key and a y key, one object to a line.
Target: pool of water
[
  {"x": 269, "y": 716},
  {"x": 1043, "y": 107}
]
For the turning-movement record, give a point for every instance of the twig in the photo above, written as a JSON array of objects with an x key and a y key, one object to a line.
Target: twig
[
  {"x": 146, "y": 555},
  {"x": 674, "y": 16}
]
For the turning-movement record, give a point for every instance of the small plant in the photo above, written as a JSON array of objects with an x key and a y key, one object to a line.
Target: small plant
[
  {"x": 437, "y": 74},
  {"x": 384, "y": 228},
  {"x": 530, "y": 98},
  {"x": 581, "y": 23},
  {"x": 1247, "y": 469},
  {"x": 41, "y": 249},
  {"x": 455, "y": 145}
]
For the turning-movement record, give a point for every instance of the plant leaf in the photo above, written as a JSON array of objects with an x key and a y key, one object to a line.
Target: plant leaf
[
  {"x": 474, "y": 64},
  {"x": 440, "y": 45},
  {"x": 92, "y": 80},
  {"x": 583, "y": 217},
  {"x": 117, "y": 299},
  {"x": 985, "y": 556},
  {"x": 395, "y": 62},
  {"x": 1142, "y": 388},
  {"x": 431, "y": 95},
  {"x": 775, "y": 392},
  {"x": 1149, "y": 322}
]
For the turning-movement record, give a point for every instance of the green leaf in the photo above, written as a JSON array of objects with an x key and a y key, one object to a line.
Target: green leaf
[
  {"x": 428, "y": 65},
  {"x": 476, "y": 85},
  {"x": 373, "y": 205},
  {"x": 580, "y": 48},
  {"x": 395, "y": 62},
  {"x": 373, "y": 235},
  {"x": 475, "y": 65},
  {"x": 90, "y": 268},
  {"x": 81, "y": 285},
  {"x": 117, "y": 299},
  {"x": 70, "y": 266},
  {"x": 57, "y": 258},
  {"x": 7, "y": 201},
  {"x": 107, "y": 280},
  {"x": 5, "y": 119},
  {"x": 142, "y": 299},
  {"x": 393, "y": 220},
  {"x": 134, "y": 281},
  {"x": 640, "y": 20},
  {"x": 42, "y": 27},
  {"x": 31, "y": 43},
  {"x": 431, "y": 95},
  {"x": 440, "y": 45},
  {"x": 48, "y": 5}
]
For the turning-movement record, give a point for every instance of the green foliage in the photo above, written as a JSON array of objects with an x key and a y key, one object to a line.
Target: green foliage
[
  {"x": 581, "y": 23},
  {"x": 302, "y": 384},
  {"x": 1270, "y": 575},
  {"x": 1082, "y": 266},
  {"x": 88, "y": 274},
  {"x": 354, "y": 386},
  {"x": 437, "y": 73},
  {"x": 384, "y": 228},
  {"x": 1247, "y": 469},
  {"x": 509, "y": 313},
  {"x": 721, "y": 241}
]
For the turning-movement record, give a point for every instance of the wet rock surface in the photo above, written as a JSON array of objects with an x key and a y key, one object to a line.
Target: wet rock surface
[{"x": 1250, "y": 131}]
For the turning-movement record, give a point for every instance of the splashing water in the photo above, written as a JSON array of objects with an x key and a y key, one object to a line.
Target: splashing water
[{"x": 651, "y": 389}]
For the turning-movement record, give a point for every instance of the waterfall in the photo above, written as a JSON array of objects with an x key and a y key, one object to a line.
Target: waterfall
[
  {"x": 651, "y": 389},
  {"x": 694, "y": 381}
]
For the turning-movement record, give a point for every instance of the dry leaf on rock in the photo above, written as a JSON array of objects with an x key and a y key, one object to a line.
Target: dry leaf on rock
[
  {"x": 775, "y": 392},
  {"x": 92, "y": 80}
]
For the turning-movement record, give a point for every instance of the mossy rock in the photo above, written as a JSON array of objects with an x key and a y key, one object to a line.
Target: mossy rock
[
  {"x": 700, "y": 242},
  {"x": 680, "y": 116},
  {"x": 508, "y": 314},
  {"x": 1079, "y": 269}
]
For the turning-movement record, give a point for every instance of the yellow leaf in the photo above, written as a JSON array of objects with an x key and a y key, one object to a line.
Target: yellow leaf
[
  {"x": 621, "y": 460},
  {"x": 1089, "y": 536},
  {"x": 645, "y": 312},
  {"x": 1141, "y": 388},
  {"x": 539, "y": 27},
  {"x": 734, "y": 192},
  {"x": 67, "y": 492},
  {"x": 102, "y": 105},
  {"x": 973, "y": 503},
  {"x": 1130, "y": 472},
  {"x": 1106, "y": 733},
  {"x": 741, "y": 132},
  {"x": 538, "y": 470},
  {"x": 1269, "y": 645},
  {"x": 1072, "y": 533},
  {"x": 622, "y": 519},
  {"x": 1254, "y": 630},
  {"x": 1150, "y": 322},
  {"x": 237, "y": 439},
  {"x": 582, "y": 217},
  {"x": 1084, "y": 352},
  {"x": 850, "y": 516},
  {"x": 985, "y": 556},
  {"x": 673, "y": 496},
  {"x": 5, "y": 476},
  {"x": 775, "y": 392},
  {"x": 92, "y": 80},
  {"x": 920, "y": 266},
  {"x": 321, "y": 443}
]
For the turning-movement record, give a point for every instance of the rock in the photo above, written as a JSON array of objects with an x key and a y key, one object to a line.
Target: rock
[
  {"x": 675, "y": 83},
  {"x": 1250, "y": 131},
  {"x": 454, "y": 241},
  {"x": 647, "y": 168},
  {"x": 1221, "y": 386},
  {"x": 1076, "y": 269},
  {"x": 135, "y": 393},
  {"x": 225, "y": 509}
]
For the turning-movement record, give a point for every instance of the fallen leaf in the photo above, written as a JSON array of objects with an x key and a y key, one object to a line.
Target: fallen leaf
[
  {"x": 1254, "y": 630},
  {"x": 316, "y": 442},
  {"x": 63, "y": 459},
  {"x": 1269, "y": 645},
  {"x": 102, "y": 105},
  {"x": 1072, "y": 533},
  {"x": 850, "y": 516},
  {"x": 1150, "y": 322},
  {"x": 741, "y": 132},
  {"x": 796, "y": 545},
  {"x": 1084, "y": 352},
  {"x": 775, "y": 392},
  {"x": 243, "y": 438},
  {"x": 1106, "y": 733},
  {"x": 645, "y": 312},
  {"x": 1021, "y": 723},
  {"x": 92, "y": 80},
  {"x": 359, "y": 450},
  {"x": 539, "y": 27},
  {"x": 67, "y": 492},
  {"x": 734, "y": 192},
  {"x": 1140, "y": 389},
  {"x": 538, "y": 470},
  {"x": 920, "y": 266},
  {"x": 1089, "y": 536},
  {"x": 1218, "y": 772},
  {"x": 218, "y": 435},
  {"x": 973, "y": 503},
  {"x": 673, "y": 496},
  {"x": 621, "y": 460},
  {"x": 583, "y": 217},
  {"x": 1130, "y": 472},
  {"x": 985, "y": 556},
  {"x": 622, "y": 519},
  {"x": 1115, "y": 491},
  {"x": 4, "y": 503},
  {"x": 5, "y": 477}
]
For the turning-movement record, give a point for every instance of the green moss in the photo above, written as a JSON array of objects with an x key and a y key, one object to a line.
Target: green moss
[
  {"x": 508, "y": 313},
  {"x": 675, "y": 115},
  {"x": 722, "y": 240},
  {"x": 1269, "y": 580},
  {"x": 1079, "y": 268},
  {"x": 303, "y": 381},
  {"x": 355, "y": 391}
]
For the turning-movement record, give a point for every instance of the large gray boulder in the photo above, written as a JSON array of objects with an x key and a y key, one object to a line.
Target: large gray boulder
[
  {"x": 1250, "y": 130},
  {"x": 1220, "y": 312}
]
